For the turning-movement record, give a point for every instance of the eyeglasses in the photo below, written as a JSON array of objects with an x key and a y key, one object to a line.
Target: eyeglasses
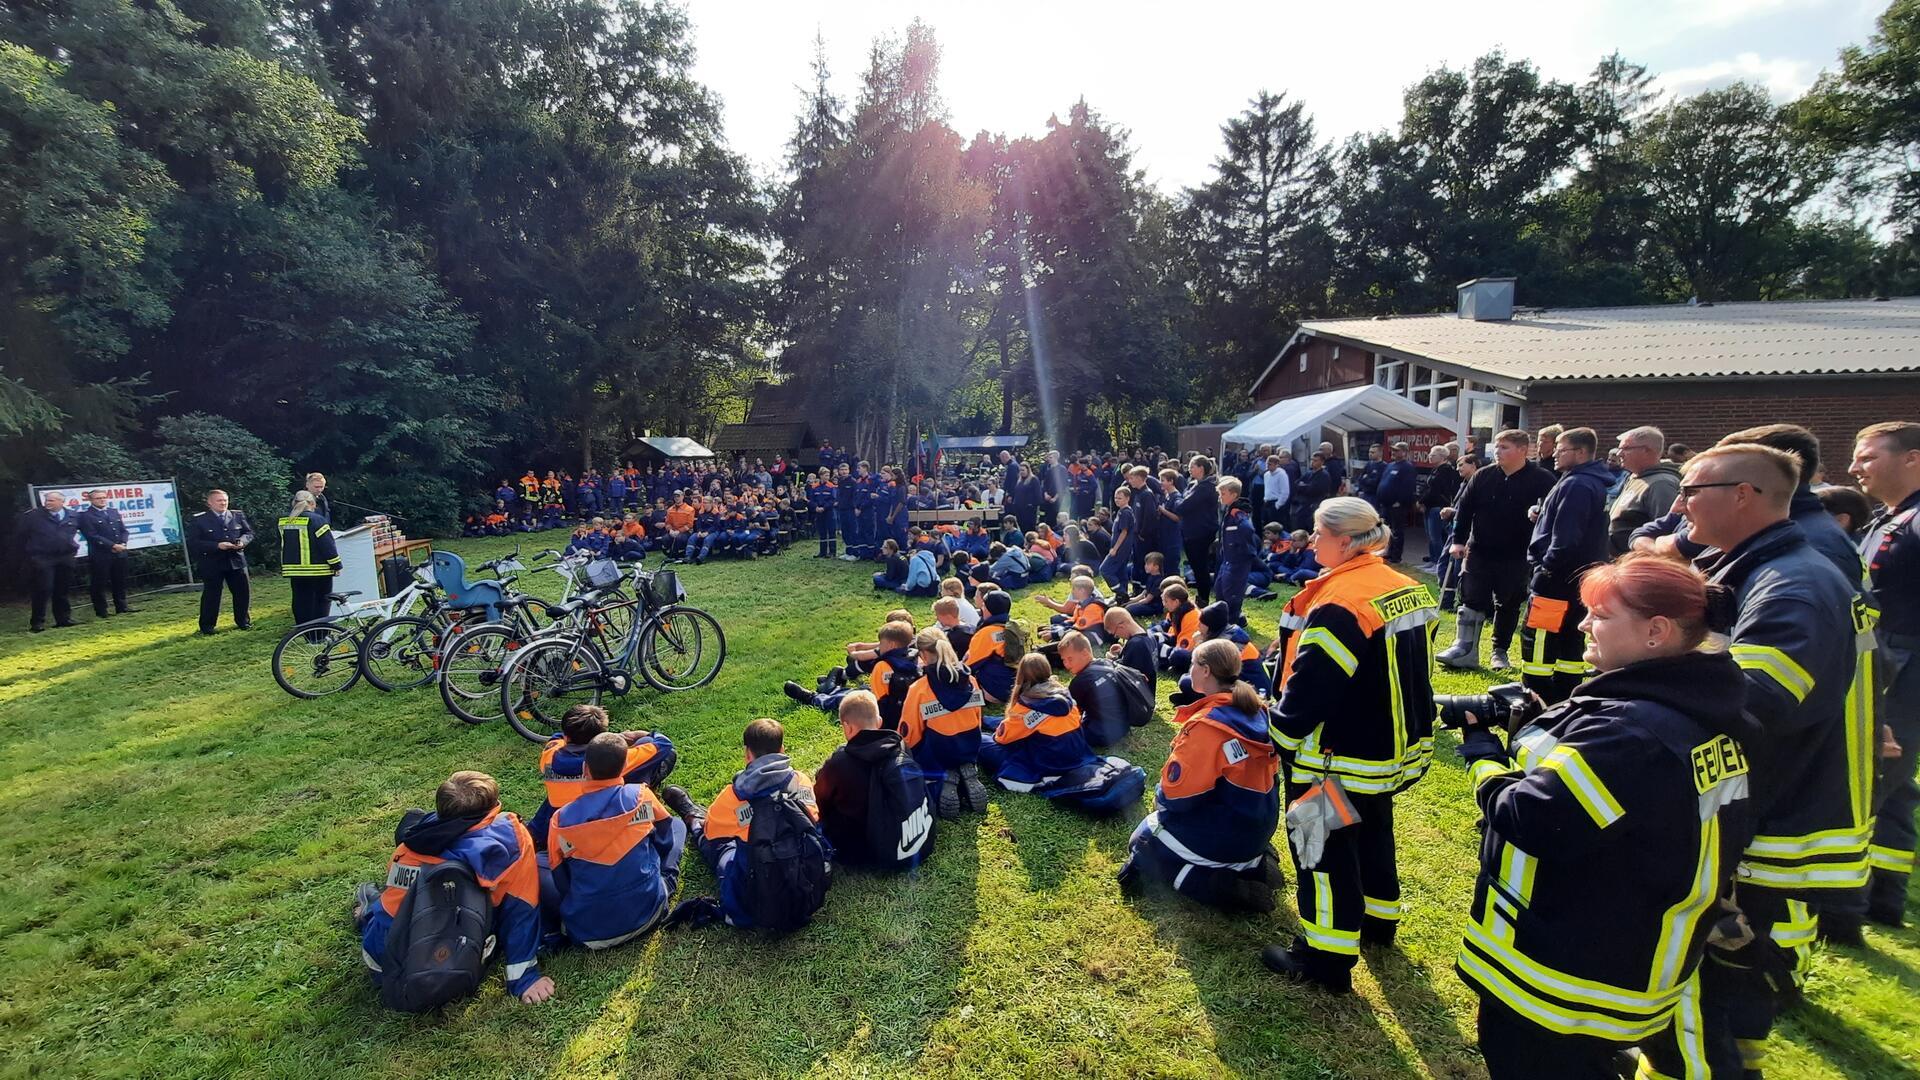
[{"x": 1688, "y": 491}]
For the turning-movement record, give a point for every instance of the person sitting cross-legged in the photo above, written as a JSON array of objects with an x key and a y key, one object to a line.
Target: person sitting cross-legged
[
  {"x": 1039, "y": 747},
  {"x": 1211, "y": 830},
  {"x": 872, "y": 796},
  {"x": 940, "y": 723},
  {"x": 563, "y": 770},
  {"x": 613, "y": 852}
]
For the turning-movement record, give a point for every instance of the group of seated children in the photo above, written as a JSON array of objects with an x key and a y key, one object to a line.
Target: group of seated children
[
  {"x": 746, "y": 524},
  {"x": 468, "y": 883}
]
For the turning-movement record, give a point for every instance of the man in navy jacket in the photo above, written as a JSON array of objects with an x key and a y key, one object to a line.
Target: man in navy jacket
[
  {"x": 1569, "y": 537},
  {"x": 106, "y": 553},
  {"x": 47, "y": 539},
  {"x": 1399, "y": 487}
]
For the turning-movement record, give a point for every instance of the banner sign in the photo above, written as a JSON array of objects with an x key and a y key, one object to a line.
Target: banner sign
[
  {"x": 148, "y": 507},
  {"x": 1419, "y": 440}
]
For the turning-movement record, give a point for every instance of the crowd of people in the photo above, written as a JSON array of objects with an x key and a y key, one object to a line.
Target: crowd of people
[{"x": 1706, "y": 765}]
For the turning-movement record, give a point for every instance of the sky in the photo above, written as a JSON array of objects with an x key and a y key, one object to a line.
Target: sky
[{"x": 1171, "y": 72}]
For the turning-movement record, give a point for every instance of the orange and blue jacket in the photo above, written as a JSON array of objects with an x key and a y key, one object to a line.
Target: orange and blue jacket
[
  {"x": 940, "y": 720},
  {"x": 608, "y": 849},
  {"x": 499, "y": 851},
  {"x": 529, "y": 488},
  {"x": 563, "y": 772},
  {"x": 730, "y": 818},
  {"x": 1181, "y": 626},
  {"x": 1219, "y": 797},
  {"x": 680, "y": 518},
  {"x": 1040, "y": 740},
  {"x": 985, "y": 659},
  {"x": 1355, "y": 690},
  {"x": 894, "y": 672}
]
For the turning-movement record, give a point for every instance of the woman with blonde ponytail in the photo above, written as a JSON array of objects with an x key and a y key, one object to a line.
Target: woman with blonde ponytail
[
  {"x": 1039, "y": 747},
  {"x": 1210, "y": 834},
  {"x": 1354, "y": 713}
]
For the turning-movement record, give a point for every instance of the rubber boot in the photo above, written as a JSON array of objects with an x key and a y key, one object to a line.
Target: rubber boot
[{"x": 1465, "y": 650}]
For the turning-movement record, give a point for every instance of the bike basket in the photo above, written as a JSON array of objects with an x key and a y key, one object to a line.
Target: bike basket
[
  {"x": 602, "y": 573},
  {"x": 665, "y": 589}
]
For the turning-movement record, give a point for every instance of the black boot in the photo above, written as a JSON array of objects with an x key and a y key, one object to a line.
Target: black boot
[
  {"x": 1297, "y": 965},
  {"x": 684, "y": 807},
  {"x": 797, "y": 692}
]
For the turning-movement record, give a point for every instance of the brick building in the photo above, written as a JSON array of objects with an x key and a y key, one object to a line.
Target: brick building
[{"x": 1696, "y": 372}]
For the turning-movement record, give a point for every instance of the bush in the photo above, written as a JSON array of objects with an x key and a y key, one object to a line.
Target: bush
[
  {"x": 423, "y": 505},
  {"x": 94, "y": 459},
  {"x": 205, "y": 452}
]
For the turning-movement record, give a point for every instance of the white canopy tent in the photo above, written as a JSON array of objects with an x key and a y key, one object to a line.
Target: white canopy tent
[{"x": 1354, "y": 408}]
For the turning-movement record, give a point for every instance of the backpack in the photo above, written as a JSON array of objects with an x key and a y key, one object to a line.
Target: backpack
[
  {"x": 1136, "y": 696},
  {"x": 441, "y": 939},
  {"x": 899, "y": 817},
  {"x": 785, "y": 878}
]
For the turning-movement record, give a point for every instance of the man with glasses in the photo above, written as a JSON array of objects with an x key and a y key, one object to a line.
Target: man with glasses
[
  {"x": 1793, "y": 637},
  {"x": 1490, "y": 530},
  {"x": 1569, "y": 537},
  {"x": 1649, "y": 490}
]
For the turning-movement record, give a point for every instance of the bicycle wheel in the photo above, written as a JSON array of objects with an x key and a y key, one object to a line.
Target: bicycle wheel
[
  {"x": 317, "y": 658},
  {"x": 470, "y": 666},
  {"x": 682, "y": 648},
  {"x": 545, "y": 679},
  {"x": 401, "y": 653}
]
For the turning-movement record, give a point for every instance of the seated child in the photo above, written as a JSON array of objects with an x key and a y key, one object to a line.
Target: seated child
[
  {"x": 1111, "y": 697},
  {"x": 497, "y": 520},
  {"x": 996, "y": 646},
  {"x": 1132, "y": 645},
  {"x": 894, "y": 572},
  {"x": 1176, "y": 631},
  {"x": 1211, "y": 830},
  {"x": 563, "y": 770},
  {"x": 923, "y": 574},
  {"x": 467, "y": 828},
  {"x": 769, "y": 806},
  {"x": 977, "y": 540},
  {"x": 947, "y": 623},
  {"x": 1216, "y": 621},
  {"x": 1039, "y": 747},
  {"x": 1083, "y": 611},
  {"x": 871, "y": 794},
  {"x": 1298, "y": 566},
  {"x": 1148, "y": 607},
  {"x": 968, "y": 615},
  {"x": 614, "y": 852},
  {"x": 940, "y": 724},
  {"x": 894, "y": 671},
  {"x": 1009, "y": 567},
  {"x": 473, "y": 525},
  {"x": 1010, "y": 532}
]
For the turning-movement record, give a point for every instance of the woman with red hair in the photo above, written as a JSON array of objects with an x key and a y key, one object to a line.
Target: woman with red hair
[{"x": 1613, "y": 822}]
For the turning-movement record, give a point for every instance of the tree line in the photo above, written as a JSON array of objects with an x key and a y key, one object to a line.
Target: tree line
[{"x": 414, "y": 243}]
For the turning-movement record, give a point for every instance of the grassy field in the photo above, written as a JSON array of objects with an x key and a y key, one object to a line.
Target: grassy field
[{"x": 181, "y": 838}]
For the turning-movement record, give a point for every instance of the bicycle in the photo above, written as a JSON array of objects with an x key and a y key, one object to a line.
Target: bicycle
[
  {"x": 401, "y": 651},
  {"x": 322, "y": 656},
  {"x": 473, "y": 656},
  {"x": 673, "y": 646}
]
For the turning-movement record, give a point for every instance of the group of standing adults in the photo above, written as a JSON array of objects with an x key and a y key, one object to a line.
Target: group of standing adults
[{"x": 52, "y": 535}]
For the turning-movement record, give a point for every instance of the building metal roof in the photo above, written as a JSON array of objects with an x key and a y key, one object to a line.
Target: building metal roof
[
  {"x": 784, "y": 436},
  {"x": 675, "y": 446},
  {"x": 1678, "y": 341}
]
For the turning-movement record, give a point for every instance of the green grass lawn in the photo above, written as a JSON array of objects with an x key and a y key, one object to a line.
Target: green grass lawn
[{"x": 180, "y": 839}]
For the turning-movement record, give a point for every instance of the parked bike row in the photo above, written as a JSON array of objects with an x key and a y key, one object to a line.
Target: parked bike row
[{"x": 496, "y": 652}]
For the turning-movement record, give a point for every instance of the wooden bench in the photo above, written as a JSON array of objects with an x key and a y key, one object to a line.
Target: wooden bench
[{"x": 949, "y": 517}]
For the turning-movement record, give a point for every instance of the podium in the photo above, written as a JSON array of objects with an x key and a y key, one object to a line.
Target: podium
[{"x": 359, "y": 567}]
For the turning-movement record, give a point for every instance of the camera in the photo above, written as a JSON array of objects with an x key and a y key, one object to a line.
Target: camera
[{"x": 1509, "y": 706}]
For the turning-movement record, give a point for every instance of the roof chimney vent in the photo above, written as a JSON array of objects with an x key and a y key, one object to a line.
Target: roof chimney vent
[{"x": 1487, "y": 299}]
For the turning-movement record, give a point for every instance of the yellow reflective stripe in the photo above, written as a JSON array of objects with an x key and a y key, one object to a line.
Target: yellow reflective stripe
[
  {"x": 1383, "y": 909},
  {"x": 1571, "y": 667},
  {"x": 1847, "y": 841},
  {"x": 1537, "y": 663},
  {"x": 1486, "y": 769},
  {"x": 1797, "y": 929},
  {"x": 1580, "y": 779},
  {"x": 1323, "y": 637},
  {"x": 1892, "y": 860},
  {"x": 1826, "y": 875},
  {"x": 1319, "y": 930},
  {"x": 1554, "y": 1017},
  {"x": 1397, "y": 707},
  {"x": 1781, "y": 667},
  {"x": 1861, "y": 744},
  {"x": 1572, "y": 988},
  {"x": 1678, "y": 924}
]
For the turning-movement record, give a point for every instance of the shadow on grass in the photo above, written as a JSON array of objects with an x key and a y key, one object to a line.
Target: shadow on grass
[{"x": 1843, "y": 1045}]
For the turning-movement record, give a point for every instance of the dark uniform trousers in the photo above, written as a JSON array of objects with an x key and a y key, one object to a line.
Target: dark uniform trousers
[
  {"x": 1552, "y": 662},
  {"x": 1354, "y": 893},
  {"x": 1896, "y": 797},
  {"x": 108, "y": 571},
  {"x": 1516, "y": 1048},
  {"x": 1726, "y": 1016},
  {"x": 1496, "y": 587},
  {"x": 235, "y": 580},
  {"x": 49, "y": 585},
  {"x": 310, "y": 598}
]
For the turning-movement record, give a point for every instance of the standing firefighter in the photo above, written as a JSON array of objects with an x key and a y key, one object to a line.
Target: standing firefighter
[
  {"x": 308, "y": 558},
  {"x": 1355, "y": 727},
  {"x": 1570, "y": 536},
  {"x": 1794, "y": 633}
]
